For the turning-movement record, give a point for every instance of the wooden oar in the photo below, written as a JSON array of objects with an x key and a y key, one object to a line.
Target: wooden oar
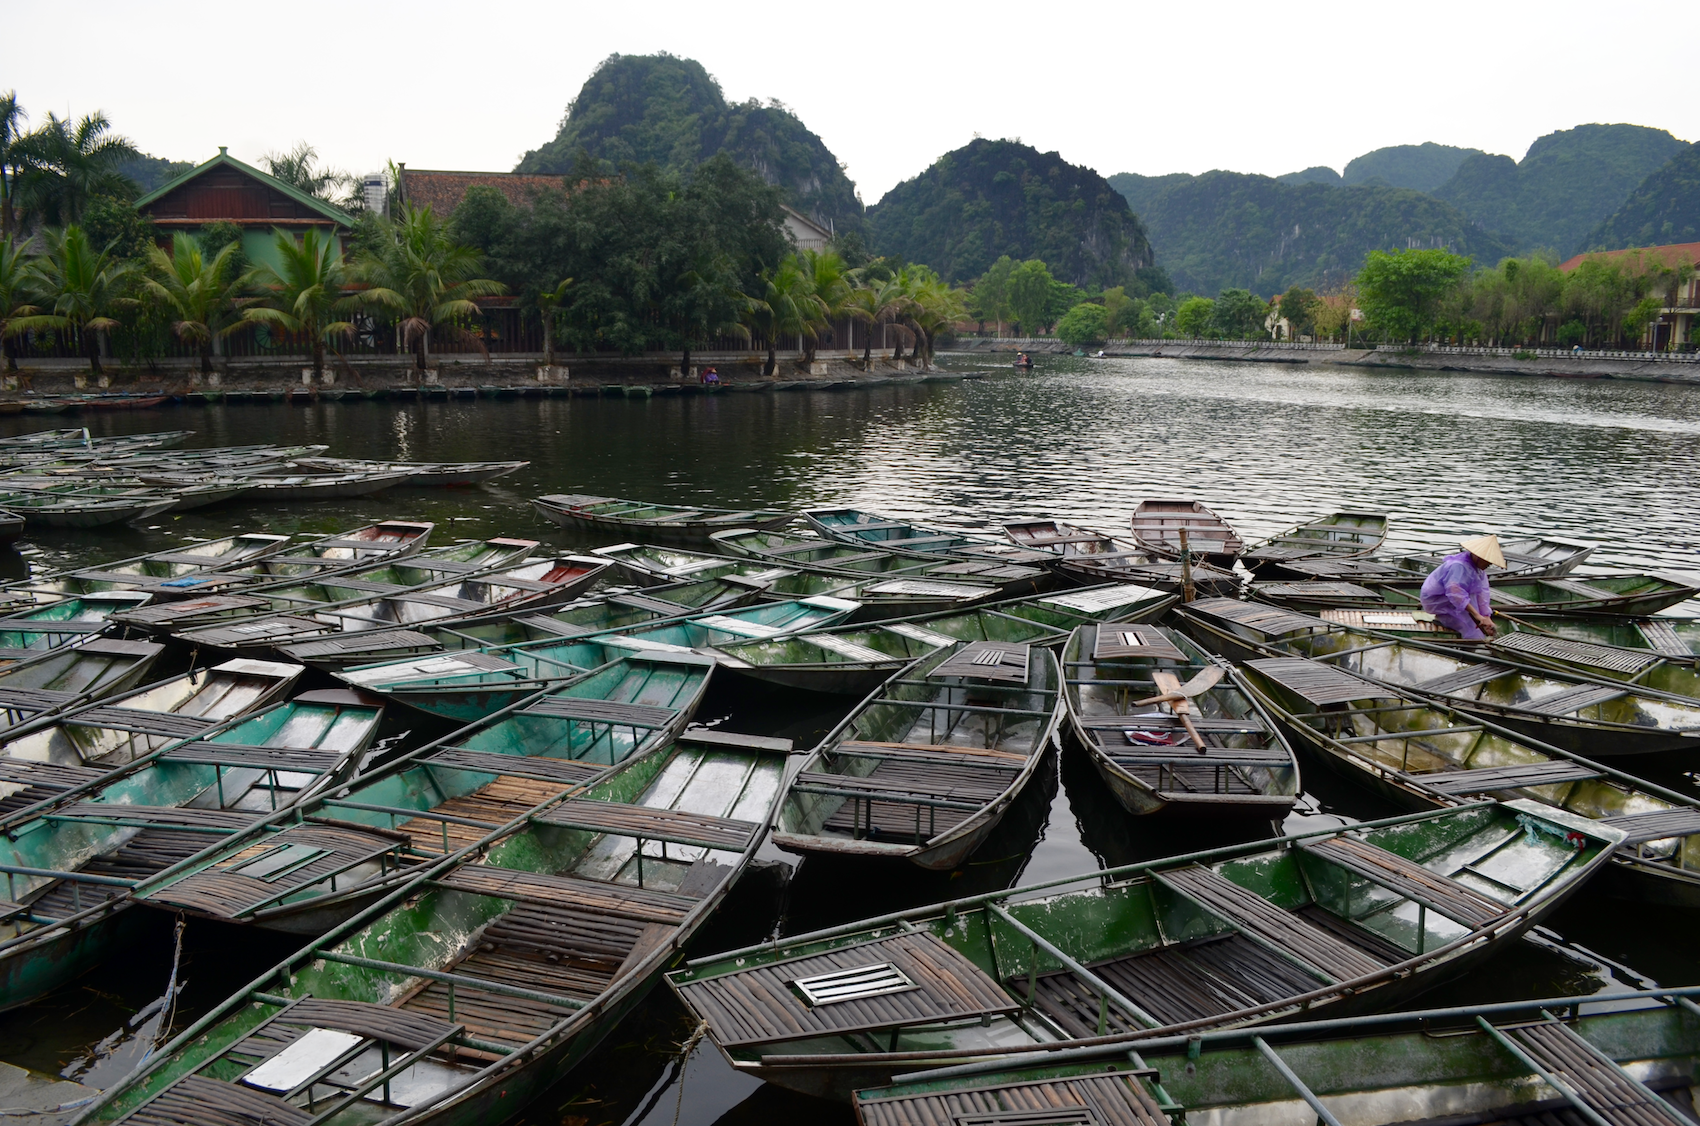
[
  {"x": 1179, "y": 702},
  {"x": 1206, "y": 679}
]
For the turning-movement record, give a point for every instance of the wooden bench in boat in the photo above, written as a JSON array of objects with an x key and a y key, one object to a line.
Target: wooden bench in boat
[
  {"x": 190, "y": 608},
  {"x": 196, "y": 1100},
  {"x": 1459, "y": 679},
  {"x": 1319, "y": 684},
  {"x": 142, "y": 721},
  {"x": 1575, "y": 699},
  {"x": 1594, "y": 1079},
  {"x": 674, "y": 826},
  {"x": 298, "y": 759},
  {"x": 1663, "y": 638},
  {"x": 987, "y": 660},
  {"x": 1488, "y": 779},
  {"x": 1319, "y": 588},
  {"x": 639, "y": 602},
  {"x": 1271, "y": 620},
  {"x": 1091, "y": 1100},
  {"x": 33, "y": 701},
  {"x": 361, "y": 641},
  {"x": 647, "y": 717},
  {"x": 366, "y": 586},
  {"x": 564, "y": 770},
  {"x": 1134, "y": 641},
  {"x": 256, "y": 631},
  {"x": 39, "y": 781},
  {"x": 1610, "y": 657},
  {"x": 1268, "y": 924},
  {"x": 929, "y": 784},
  {"x": 1410, "y": 879},
  {"x": 1655, "y": 825},
  {"x": 164, "y": 816},
  {"x": 277, "y": 866},
  {"x": 596, "y": 897},
  {"x": 906, "y": 979}
]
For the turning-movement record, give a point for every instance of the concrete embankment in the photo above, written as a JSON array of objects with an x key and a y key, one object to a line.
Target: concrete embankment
[{"x": 1576, "y": 367}]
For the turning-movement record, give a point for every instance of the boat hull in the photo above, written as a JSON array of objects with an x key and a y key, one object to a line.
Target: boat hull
[{"x": 67, "y": 956}]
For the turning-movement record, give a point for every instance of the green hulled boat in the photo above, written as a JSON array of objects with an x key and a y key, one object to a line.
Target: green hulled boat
[
  {"x": 1213, "y": 754},
  {"x": 1338, "y": 535},
  {"x": 68, "y": 677},
  {"x": 1340, "y": 919},
  {"x": 869, "y": 529},
  {"x": 1630, "y": 596},
  {"x": 930, "y": 761},
  {"x": 662, "y": 522}
]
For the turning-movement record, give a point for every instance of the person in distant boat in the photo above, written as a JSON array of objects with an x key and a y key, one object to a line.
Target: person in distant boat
[
  {"x": 709, "y": 375},
  {"x": 1456, "y": 592},
  {"x": 1021, "y": 360}
]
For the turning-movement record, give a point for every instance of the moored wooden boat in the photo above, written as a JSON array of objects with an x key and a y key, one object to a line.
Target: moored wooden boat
[
  {"x": 1338, "y": 535},
  {"x": 1668, "y": 635},
  {"x": 1463, "y": 1066},
  {"x": 454, "y": 795},
  {"x": 661, "y": 522},
  {"x": 930, "y": 761},
  {"x": 858, "y": 528},
  {"x": 1628, "y": 596},
  {"x": 1645, "y": 668},
  {"x": 1157, "y": 524},
  {"x": 471, "y": 1023},
  {"x": 70, "y": 676},
  {"x": 51, "y": 510},
  {"x": 288, "y": 487},
  {"x": 71, "y": 855},
  {"x": 653, "y": 565},
  {"x": 1526, "y": 557},
  {"x": 174, "y": 572},
  {"x": 1087, "y": 556},
  {"x": 11, "y": 526},
  {"x": 419, "y": 473},
  {"x": 1213, "y": 754},
  {"x": 1595, "y": 717},
  {"x": 1424, "y": 754},
  {"x": 1338, "y": 919}
]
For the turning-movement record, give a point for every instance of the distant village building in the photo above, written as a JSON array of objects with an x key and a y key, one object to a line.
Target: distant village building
[
  {"x": 442, "y": 192},
  {"x": 1675, "y": 323},
  {"x": 805, "y": 232},
  {"x": 225, "y": 190}
]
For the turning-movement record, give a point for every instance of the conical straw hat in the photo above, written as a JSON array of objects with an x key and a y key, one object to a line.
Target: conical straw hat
[{"x": 1484, "y": 547}]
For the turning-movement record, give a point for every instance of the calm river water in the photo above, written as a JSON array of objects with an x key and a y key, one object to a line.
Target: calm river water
[{"x": 1265, "y": 445}]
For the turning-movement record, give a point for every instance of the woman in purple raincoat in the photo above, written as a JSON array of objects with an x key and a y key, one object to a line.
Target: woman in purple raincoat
[{"x": 1456, "y": 592}]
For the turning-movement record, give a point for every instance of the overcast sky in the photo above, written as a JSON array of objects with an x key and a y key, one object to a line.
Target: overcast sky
[{"x": 1119, "y": 87}]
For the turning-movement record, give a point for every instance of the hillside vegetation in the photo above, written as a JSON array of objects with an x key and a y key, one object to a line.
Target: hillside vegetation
[
  {"x": 1421, "y": 167},
  {"x": 669, "y": 111},
  {"x": 996, "y": 198},
  {"x": 1565, "y": 186},
  {"x": 1664, "y": 208}
]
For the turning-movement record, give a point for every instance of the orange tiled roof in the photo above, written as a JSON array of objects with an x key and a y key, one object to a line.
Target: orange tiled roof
[
  {"x": 1676, "y": 254},
  {"x": 443, "y": 191}
]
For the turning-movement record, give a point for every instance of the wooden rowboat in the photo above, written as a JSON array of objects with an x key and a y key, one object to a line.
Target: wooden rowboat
[
  {"x": 1157, "y": 525},
  {"x": 1422, "y": 754},
  {"x": 1457, "y": 1066},
  {"x": 1624, "y": 595},
  {"x": 162, "y": 573},
  {"x": 1338, "y": 535},
  {"x": 1526, "y": 557},
  {"x": 930, "y": 761},
  {"x": 1149, "y": 753},
  {"x": 61, "y": 679},
  {"x": 857, "y": 528},
  {"x": 1338, "y": 919},
  {"x": 11, "y": 526},
  {"x": 480, "y": 985},
  {"x": 1589, "y": 716},
  {"x": 661, "y": 522},
  {"x": 1091, "y": 557},
  {"x": 419, "y": 473}
]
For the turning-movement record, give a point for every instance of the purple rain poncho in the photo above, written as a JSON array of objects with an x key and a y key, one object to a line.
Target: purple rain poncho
[{"x": 1451, "y": 589}]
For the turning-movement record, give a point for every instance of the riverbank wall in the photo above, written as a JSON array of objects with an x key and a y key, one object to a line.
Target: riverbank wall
[{"x": 1481, "y": 362}]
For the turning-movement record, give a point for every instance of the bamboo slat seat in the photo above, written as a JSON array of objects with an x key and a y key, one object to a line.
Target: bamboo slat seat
[
  {"x": 1576, "y": 699},
  {"x": 674, "y": 825},
  {"x": 593, "y": 897},
  {"x": 1595, "y": 1078},
  {"x": 1644, "y": 827},
  {"x": 31, "y": 700},
  {"x": 224, "y": 890},
  {"x": 491, "y": 805},
  {"x": 296, "y": 759},
  {"x": 760, "y": 1006},
  {"x": 1320, "y": 684},
  {"x": 157, "y": 814},
  {"x": 987, "y": 660},
  {"x": 196, "y": 1100},
  {"x": 377, "y": 1022},
  {"x": 647, "y": 716},
  {"x": 1095, "y": 1100},
  {"x": 1260, "y": 919},
  {"x": 564, "y": 770},
  {"x": 1491, "y": 778},
  {"x": 40, "y": 781},
  {"x": 1269, "y": 619},
  {"x": 253, "y": 631},
  {"x": 1662, "y": 636},
  {"x": 366, "y": 586},
  {"x": 1410, "y": 879},
  {"x": 142, "y": 721},
  {"x": 1459, "y": 679},
  {"x": 190, "y": 608},
  {"x": 360, "y": 641},
  {"x": 1612, "y": 657}
]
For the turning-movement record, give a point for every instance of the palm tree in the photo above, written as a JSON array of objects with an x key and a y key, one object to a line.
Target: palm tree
[
  {"x": 11, "y": 116},
  {"x": 931, "y": 305},
  {"x": 66, "y": 165},
  {"x": 549, "y": 303},
  {"x": 424, "y": 277},
  {"x": 706, "y": 302},
  {"x": 17, "y": 295},
  {"x": 303, "y": 292},
  {"x": 828, "y": 281},
  {"x": 202, "y": 298},
  {"x": 784, "y": 308},
  {"x": 82, "y": 287},
  {"x": 874, "y": 302}
]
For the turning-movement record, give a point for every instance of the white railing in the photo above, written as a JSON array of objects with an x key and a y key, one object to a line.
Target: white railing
[
  {"x": 1188, "y": 342},
  {"x": 1543, "y": 353}
]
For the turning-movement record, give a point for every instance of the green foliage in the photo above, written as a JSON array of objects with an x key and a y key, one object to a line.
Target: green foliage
[
  {"x": 1421, "y": 167},
  {"x": 1400, "y": 291},
  {"x": 1664, "y": 209},
  {"x": 116, "y": 226},
  {"x": 1120, "y": 310},
  {"x": 663, "y": 110},
  {"x": 151, "y": 172},
  {"x": 1196, "y": 317},
  {"x": 1239, "y": 315},
  {"x": 214, "y": 237},
  {"x": 1564, "y": 187},
  {"x": 1139, "y": 190},
  {"x": 63, "y": 165},
  {"x": 301, "y": 169},
  {"x": 1298, "y": 308},
  {"x": 18, "y": 291},
  {"x": 990, "y": 300},
  {"x": 1084, "y": 324},
  {"x": 424, "y": 277},
  {"x": 82, "y": 290},
  {"x": 1601, "y": 302},
  {"x": 303, "y": 292},
  {"x": 199, "y": 295},
  {"x": 1317, "y": 174},
  {"x": 1030, "y": 286},
  {"x": 995, "y": 198},
  {"x": 1225, "y": 229}
]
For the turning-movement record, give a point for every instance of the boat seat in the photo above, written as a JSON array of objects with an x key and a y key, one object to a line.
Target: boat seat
[
  {"x": 1655, "y": 825},
  {"x": 273, "y": 866},
  {"x": 1134, "y": 641},
  {"x": 1271, "y": 620},
  {"x": 446, "y": 601},
  {"x": 676, "y": 517},
  {"x": 870, "y": 526},
  {"x": 1505, "y": 598},
  {"x": 920, "y": 783},
  {"x": 1459, "y": 679},
  {"x": 917, "y": 541},
  {"x": 595, "y": 897},
  {"x": 1575, "y": 699},
  {"x": 647, "y": 716},
  {"x": 566, "y": 771},
  {"x": 33, "y": 699},
  {"x": 1663, "y": 638},
  {"x": 987, "y": 660},
  {"x": 1262, "y": 921},
  {"x": 1319, "y": 684},
  {"x": 1596, "y": 1080},
  {"x": 365, "y": 586},
  {"x": 644, "y": 602},
  {"x": 906, "y": 979},
  {"x": 1410, "y": 879},
  {"x": 1577, "y": 588},
  {"x": 254, "y": 631},
  {"x": 675, "y": 826},
  {"x": 163, "y": 816},
  {"x": 142, "y": 721},
  {"x": 195, "y": 1100},
  {"x": 1515, "y": 777},
  {"x": 361, "y": 641},
  {"x": 299, "y": 759}
]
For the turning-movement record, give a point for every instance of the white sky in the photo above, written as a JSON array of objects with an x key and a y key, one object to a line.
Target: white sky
[{"x": 1119, "y": 87}]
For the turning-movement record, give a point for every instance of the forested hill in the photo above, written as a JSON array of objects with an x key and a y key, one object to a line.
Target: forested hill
[
  {"x": 1421, "y": 167},
  {"x": 1567, "y": 183},
  {"x": 670, "y": 111},
  {"x": 993, "y": 198},
  {"x": 1228, "y": 229},
  {"x": 1664, "y": 209}
]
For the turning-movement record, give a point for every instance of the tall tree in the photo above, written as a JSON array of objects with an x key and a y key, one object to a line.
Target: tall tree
[
  {"x": 18, "y": 283},
  {"x": 425, "y": 278},
  {"x": 300, "y": 168},
  {"x": 991, "y": 293},
  {"x": 783, "y": 309},
  {"x": 874, "y": 301},
  {"x": 548, "y": 302},
  {"x": 932, "y": 304},
  {"x": 303, "y": 292},
  {"x": 11, "y": 120},
  {"x": 66, "y": 164},
  {"x": 828, "y": 281},
  {"x": 83, "y": 288},
  {"x": 1030, "y": 295},
  {"x": 1401, "y": 290},
  {"x": 201, "y": 296}
]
